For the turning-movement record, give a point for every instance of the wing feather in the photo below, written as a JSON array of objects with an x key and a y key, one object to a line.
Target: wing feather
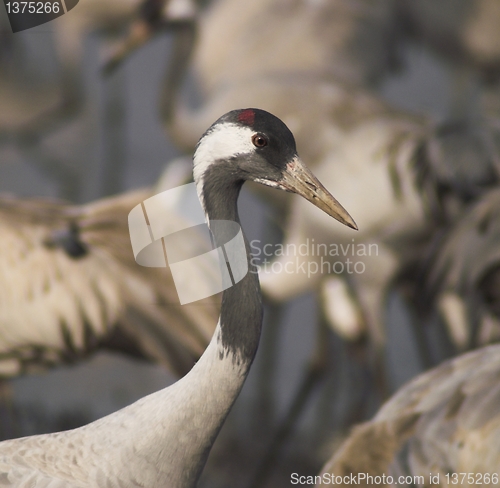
[
  {"x": 56, "y": 306},
  {"x": 444, "y": 421}
]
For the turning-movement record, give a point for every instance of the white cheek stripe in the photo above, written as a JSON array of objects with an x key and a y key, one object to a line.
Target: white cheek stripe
[{"x": 223, "y": 142}]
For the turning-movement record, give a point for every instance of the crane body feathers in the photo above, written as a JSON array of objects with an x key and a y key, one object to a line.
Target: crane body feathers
[{"x": 113, "y": 451}]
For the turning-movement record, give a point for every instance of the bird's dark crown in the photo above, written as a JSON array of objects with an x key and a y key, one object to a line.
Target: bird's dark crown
[{"x": 263, "y": 122}]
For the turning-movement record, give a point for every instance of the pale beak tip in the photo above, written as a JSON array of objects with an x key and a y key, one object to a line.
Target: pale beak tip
[
  {"x": 299, "y": 179},
  {"x": 352, "y": 225}
]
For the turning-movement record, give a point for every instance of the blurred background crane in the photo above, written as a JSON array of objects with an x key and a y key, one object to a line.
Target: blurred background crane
[
  {"x": 444, "y": 423},
  {"x": 462, "y": 279},
  {"x": 393, "y": 103},
  {"x": 71, "y": 285}
]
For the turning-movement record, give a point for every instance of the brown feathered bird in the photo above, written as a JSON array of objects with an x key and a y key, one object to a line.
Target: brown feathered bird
[
  {"x": 69, "y": 285},
  {"x": 443, "y": 423}
]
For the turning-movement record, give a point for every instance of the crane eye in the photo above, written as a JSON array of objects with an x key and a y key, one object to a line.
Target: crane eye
[{"x": 259, "y": 140}]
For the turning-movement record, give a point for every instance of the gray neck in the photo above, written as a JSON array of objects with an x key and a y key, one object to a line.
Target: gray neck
[
  {"x": 191, "y": 412},
  {"x": 241, "y": 310}
]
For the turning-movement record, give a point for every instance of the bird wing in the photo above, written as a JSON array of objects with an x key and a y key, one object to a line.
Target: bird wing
[
  {"x": 456, "y": 410},
  {"x": 444, "y": 421},
  {"x": 70, "y": 284}
]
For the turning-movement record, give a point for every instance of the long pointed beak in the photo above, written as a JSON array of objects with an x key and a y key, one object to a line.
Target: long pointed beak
[{"x": 299, "y": 179}]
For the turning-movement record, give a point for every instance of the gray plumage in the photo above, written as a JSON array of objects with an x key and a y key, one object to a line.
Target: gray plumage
[
  {"x": 444, "y": 421},
  {"x": 464, "y": 274},
  {"x": 155, "y": 442}
]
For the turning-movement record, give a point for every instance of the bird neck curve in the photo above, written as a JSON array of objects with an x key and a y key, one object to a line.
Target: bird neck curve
[{"x": 241, "y": 310}]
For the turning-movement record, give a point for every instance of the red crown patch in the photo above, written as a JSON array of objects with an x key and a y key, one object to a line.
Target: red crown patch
[{"x": 247, "y": 117}]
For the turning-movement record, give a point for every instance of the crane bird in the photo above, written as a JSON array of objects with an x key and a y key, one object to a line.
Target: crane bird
[
  {"x": 164, "y": 438},
  {"x": 314, "y": 73},
  {"x": 443, "y": 423},
  {"x": 298, "y": 59},
  {"x": 70, "y": 285},
  {"x": 347, "y": 123}
]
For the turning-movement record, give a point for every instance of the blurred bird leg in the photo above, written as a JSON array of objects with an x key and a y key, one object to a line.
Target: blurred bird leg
[
  {"x": 340, "y": 309},
  {"x": 139, "y": 33},
  {"x": 454, "y": 314}
]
